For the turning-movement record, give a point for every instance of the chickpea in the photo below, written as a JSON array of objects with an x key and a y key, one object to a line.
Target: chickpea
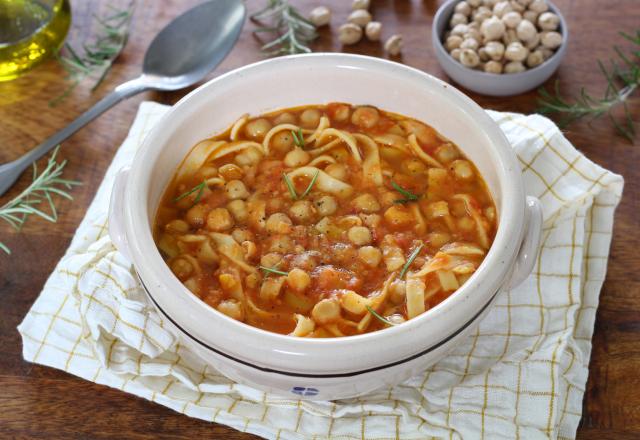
[
  {"x": 195, "y": 216},
  {"x": 369, "y": 255},
  {"x": 249, "y": 157},
  {"x": 365, "y": 117},
  {"x": 298, "y": 280},
  {"x": 337, "y": 170},
  {"x": 282, "y": 141},
  {"x": 281, "y": 244},
  {"x": 271, "y": 259},
  {"x": 446, "y": 153},
  {"x": 399, "y": 217},
  {"x": 342, "y": 113},
  {"x": 438, "y": 239},
  {"x": 302, "y": 211},
  {"x": 242, "y": 235},
  {"x": 207, "y": 172},
  {"x": 181, "y": 268},
  {"x": 279, "y": 223},
  {"x": 326, "y": 205},
  {"x": 366, "y": 203},
  {"x": 359, "y": 235},
  {"x": 177, "y": 226},
  {"x": 466, "y": 224},
  {"x": 462, "y": 169},
  {"x": 397, "y": 291},
  {"x": 219, "y": 220},
  {"x": 238, "y": 209},
  {"x": 285, "y": 118},
  {"x": 326, "y": 311},
  {"x": 371, "y": 220},
  {"x": 310, "y": 118},
  {"x": 231, "y": 171},
  {"x": 252, "y": 280},
  {"x": 232, "y": 308},
  {"x": 257, "y": 129},
  {"x": 296, "y": 158},
  {"x": 414, "y": 166},
  {"x": 235, "y": 189}
]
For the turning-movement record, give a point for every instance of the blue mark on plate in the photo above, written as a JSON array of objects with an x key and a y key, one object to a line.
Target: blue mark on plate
[{"x": 305, "y": 391}]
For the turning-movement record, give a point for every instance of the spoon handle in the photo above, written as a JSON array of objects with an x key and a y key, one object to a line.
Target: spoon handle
[{"x": 120, "y": 93}]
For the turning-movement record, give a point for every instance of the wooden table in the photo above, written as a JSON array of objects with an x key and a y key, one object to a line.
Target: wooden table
[{"x": 38, "y": 402}]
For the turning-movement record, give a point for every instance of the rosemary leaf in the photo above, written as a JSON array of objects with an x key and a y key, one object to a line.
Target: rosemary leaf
[
  {"x": 273, "y": 270},
  {"x": 410, "y": 260},
  {"x": 290, "y": 187},
  {"x": 409, "y": 196},
  {"x": 298, "y": 138},
  {"x": 313, "y": 181},
  {"x": 379, "y": 317},
  {"x": 199, "y": 188}
]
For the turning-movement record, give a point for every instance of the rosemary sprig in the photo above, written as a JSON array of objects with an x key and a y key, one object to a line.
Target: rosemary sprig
[
  {"x": 97, "y": 57},
  {"x": 313, "y": 181},
  {"x": 379, "y": 317},
  {"x": 294, "y": 32},
  {"x": 273, "y": 270},
  {"x": 290, "y": 187},
  {"x": 199, "y": 188},
  {"x": 623, "y": 79},
  {"x": 410, "y": 260},
  {"x": 298, "y": 138},
  {"x": 42, "y": 188},
  {"x": 408, "y": 195}
]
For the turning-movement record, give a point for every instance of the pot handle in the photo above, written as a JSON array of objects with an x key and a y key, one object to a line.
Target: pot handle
[
  {"x": 116, "y": 214},
  {"x": 530, "y": 246}
]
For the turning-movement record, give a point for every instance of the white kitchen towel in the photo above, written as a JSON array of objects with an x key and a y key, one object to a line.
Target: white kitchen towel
[{"x": 520, "y": 375}]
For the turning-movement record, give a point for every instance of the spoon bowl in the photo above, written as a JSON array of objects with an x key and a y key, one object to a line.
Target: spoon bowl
[{"x": 182, "y": 54}]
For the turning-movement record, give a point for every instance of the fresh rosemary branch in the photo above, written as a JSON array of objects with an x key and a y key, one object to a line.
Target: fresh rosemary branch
[
  {"x": 294, "y": 32},
  {"x": 623, "y": 79},
  {"x": 96, "y": 58},
  {"x": 43, "y": 188}
]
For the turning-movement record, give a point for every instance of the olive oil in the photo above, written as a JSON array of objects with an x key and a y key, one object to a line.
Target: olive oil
[{"x": 30, "y": 31}]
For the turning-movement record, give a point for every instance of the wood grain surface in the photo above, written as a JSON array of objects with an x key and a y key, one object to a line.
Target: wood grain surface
[{"x": 39, "y": 402}]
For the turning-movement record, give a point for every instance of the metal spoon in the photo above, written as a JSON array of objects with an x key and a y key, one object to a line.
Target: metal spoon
[{"x": 180, "y": 55}]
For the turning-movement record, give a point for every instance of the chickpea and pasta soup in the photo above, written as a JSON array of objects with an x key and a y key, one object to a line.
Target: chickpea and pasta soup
[{"x": 325, "y": 220}]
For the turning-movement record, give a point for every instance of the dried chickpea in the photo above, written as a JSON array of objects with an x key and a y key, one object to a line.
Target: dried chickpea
[
  {"x": 181, "y": 268},
  {"x": 462, "y": 169},
  {"x": 232, "y": 308},
  {"x": 326, "y": 205},
  {"x": 177, "y": 226},
  {"x": 302, "y": 211},
  {"x": 231, "y": 171}
]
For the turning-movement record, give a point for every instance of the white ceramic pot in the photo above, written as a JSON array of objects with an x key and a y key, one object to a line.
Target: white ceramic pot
[{"x": 339, "y": 367}]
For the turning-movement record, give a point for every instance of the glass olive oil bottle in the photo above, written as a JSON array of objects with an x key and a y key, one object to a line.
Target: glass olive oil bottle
[{"x": 30, "y": 31}]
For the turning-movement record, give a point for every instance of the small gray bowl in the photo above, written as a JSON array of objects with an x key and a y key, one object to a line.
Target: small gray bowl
[{"x": 492, "y": 84}]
